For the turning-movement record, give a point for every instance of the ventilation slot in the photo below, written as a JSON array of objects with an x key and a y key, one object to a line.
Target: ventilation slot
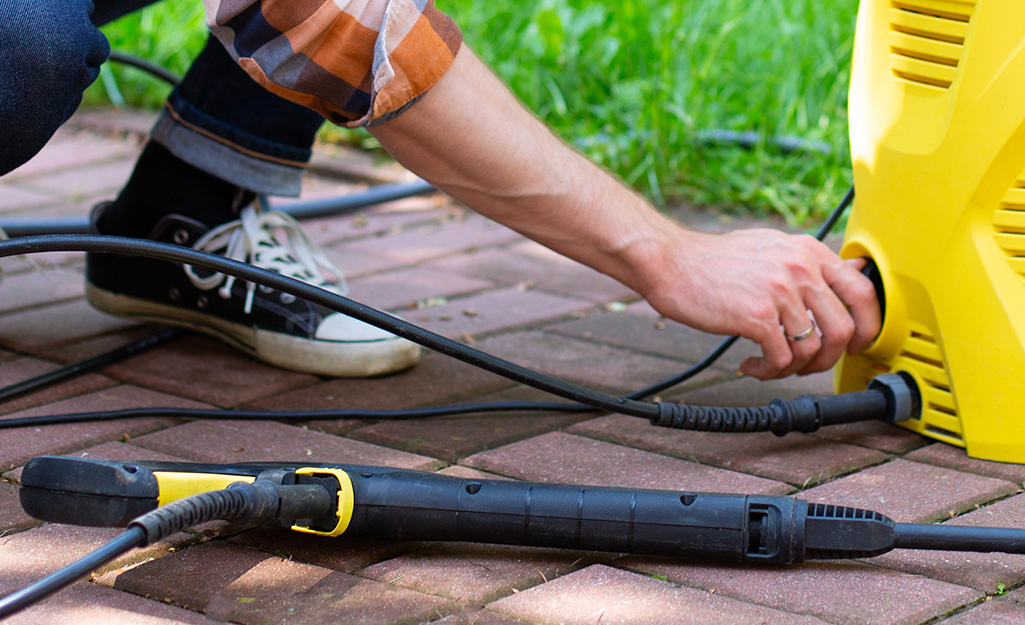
[
  {"x": 927, "y": 39},
  {"x": 922, "y": 355},
  {"x": 1009, "y": 226}
]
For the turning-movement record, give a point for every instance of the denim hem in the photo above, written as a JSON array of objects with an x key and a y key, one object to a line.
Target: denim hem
[{"x": 225, "y": 161}]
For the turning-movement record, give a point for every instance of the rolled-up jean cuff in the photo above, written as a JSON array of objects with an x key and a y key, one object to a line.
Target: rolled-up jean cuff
[{"x": 228, "y": 162}]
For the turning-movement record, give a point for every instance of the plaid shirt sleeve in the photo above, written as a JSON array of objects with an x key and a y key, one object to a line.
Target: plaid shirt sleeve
[{"x": 356, "y": 62}]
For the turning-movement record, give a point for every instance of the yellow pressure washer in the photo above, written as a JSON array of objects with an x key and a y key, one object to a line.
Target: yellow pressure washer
[{"x": 937, "y": 124}]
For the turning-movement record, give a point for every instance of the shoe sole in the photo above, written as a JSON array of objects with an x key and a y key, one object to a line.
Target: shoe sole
[{"x": 358, "y": 360}]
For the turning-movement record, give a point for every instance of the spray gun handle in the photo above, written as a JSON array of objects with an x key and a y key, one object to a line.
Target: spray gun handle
[{"x": 412, "y": 505}]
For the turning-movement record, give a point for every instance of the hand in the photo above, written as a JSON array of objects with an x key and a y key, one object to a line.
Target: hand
[{"x": 762, "y": 285}]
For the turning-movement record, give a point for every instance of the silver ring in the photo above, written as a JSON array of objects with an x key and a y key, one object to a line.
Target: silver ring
[{"x": 805, "y": 334}]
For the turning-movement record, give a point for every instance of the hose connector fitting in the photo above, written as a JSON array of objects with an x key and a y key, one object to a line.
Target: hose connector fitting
[{"x": 890, "y": 397}]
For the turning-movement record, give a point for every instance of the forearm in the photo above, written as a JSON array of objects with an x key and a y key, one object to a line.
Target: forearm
[{"x": 471, "y": 138}]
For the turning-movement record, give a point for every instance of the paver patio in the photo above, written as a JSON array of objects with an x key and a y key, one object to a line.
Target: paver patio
[{"x": 446, "y": 268}]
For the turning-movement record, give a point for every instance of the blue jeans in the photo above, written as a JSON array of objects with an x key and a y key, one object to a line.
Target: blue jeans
[{"x": 217, "y": 119}]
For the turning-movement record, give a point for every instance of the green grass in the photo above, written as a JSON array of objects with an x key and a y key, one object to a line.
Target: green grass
[
  {"x": 633, "y": 84},
  {"x": 169, "y": 34}
]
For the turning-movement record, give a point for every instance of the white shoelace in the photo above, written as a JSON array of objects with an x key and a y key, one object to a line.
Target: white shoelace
[{"x": 273, "y": 241}]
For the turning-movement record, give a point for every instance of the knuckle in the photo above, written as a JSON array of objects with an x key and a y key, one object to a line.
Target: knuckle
[
  {"x": 780, "y": 361},
  {"x": 838, "y": 332},
  {"x": 778, "y": 284},
  {"x": 807, "y": 240},
  {"x": 808, "y": 347},
  {"x": 813, "y": 245},
  {"x": 765, "y": 314},
  {"x": 846, "y": 329},
  {"x": 862, "y": 289}
]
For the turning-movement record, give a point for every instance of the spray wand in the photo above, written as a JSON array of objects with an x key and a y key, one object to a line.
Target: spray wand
[{"x": 379, "y": 502}]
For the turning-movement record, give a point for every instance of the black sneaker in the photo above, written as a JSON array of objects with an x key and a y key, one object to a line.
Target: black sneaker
[{"x": 271, "y": 326}]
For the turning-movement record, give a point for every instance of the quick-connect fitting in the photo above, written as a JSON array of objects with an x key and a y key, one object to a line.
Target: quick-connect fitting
[
  {"x": 259, "y": 503},
  {"x": 890, "y": 397}
]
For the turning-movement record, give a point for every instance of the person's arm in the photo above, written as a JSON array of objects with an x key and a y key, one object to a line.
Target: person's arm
[{"x": 471, "y": 138}]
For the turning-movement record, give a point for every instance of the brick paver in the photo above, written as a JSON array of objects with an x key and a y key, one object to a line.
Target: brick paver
[
  {"x": 638, "y": 328},
  {"x": 20, "y": 370},
  {"x": 795, "y": 458},
  {"x": 443, "y": 239},
  {"x": 610, "y": 368},
  {"x": 70, "y": 150},
  {"x": 229, "y": 582},
  {"x": 206, "y": 370},
  {"x": 32, "y": 554},
  {"x": 475, "y": 574},
  {"x": 343, "y": 553},
  {"x": 26, "y": 263},
  {"x": 529, "y": 262},
  {"x": 14, "y": 198},
  {"x": 90, "y": 604},
  {"x": 12, "y": 518},
  {"x": 406, "y": 288},
  {"x": 909, "y": 492},
  {"x": 956, "y": 458},
  {"x": 560, "y": 457},
  {"x": 442, "y": 266},
  {"x": 18, "y": 445},
  {"x": 751, "y": 392},
  {"x": 31, "y": 290},
  {"x": 599, "y": 594},
  {"x": 452, "y": 438},
  {"x": 84, "y": 182},
  {"x": 386, "y": 219},
  {"x": 40, "y": 330},
  {"x": 988, "y": 572},
  {"x": 990, "y": 613},
  {"x": 1015, "y": 596},
  {"x": 436, "y": 380},
  {"x": 268, "y": 441},
  {"x": 881, "y": 436},
  {"x": 837, "y": 592},
  {"x": 491, "y": 311}
]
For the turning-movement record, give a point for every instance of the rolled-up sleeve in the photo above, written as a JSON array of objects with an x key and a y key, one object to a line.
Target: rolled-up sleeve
[{"x": 357, "y": 63}]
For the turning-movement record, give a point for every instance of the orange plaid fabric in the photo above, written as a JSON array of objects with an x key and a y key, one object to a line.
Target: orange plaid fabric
[{"x": 357, "y": 63}]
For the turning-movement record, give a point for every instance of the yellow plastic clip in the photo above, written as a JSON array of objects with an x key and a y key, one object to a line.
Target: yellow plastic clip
[{"x": 346, "y": 500}]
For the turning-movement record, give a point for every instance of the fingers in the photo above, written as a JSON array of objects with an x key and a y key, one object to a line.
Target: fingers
[
  {"x": 803, "y": 337},
  {"x": 788, "y": 342},
  {"x": 843, "y": 304},
  {"x": 836, "y": 329},
  {"x": 768, "y": 286},
  {"x": 857, "y": 292}
]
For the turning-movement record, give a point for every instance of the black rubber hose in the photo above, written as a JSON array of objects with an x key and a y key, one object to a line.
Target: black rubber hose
[
  {"x": 308, "y": 209},
  {"x": 36, "y": 591},
  {"x": 90, "y": 364},
  {"x": 890, "y": 397},
  {"x": 344, "y": 305},
  {"x": 150, "y": 68},
  {"x": 947, "y": 537},
  {"x": 290, "y": 416}
]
